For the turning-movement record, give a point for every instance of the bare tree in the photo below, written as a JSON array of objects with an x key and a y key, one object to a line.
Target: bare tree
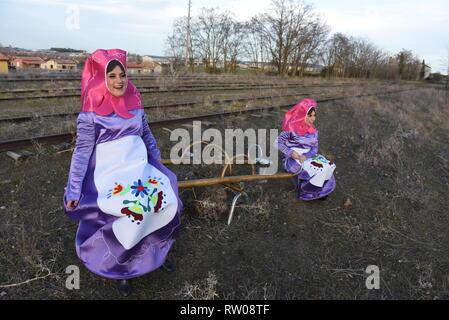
[
  {"x": 235, "y": 44},
  {"x": 134, "y": 57},
  {"x": 346, "y": 56},
  {"x": 364, "y": 60},
  {"x": 408, "y": 65},
  {"x": 281, "y": 27},
  {"x": 207, "y": 37},
  {"x": 309, "y": 45},
  {"x": 175, "y": 43},
  {"x": 290, "y": 36},
  {"x": 337, "y": 55},
  {"x": 230, "y": 46},
  {"x": 254, "y": 44}
]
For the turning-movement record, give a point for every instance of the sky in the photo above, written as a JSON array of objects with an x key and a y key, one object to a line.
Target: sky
[{"x": 142, "y": 26}]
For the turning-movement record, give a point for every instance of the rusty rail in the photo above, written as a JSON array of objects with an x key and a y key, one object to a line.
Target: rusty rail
[{"x": 20, "y": 143}]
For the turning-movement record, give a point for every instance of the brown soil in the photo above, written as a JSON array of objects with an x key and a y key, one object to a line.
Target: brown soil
[{"x": 392, "y": 163}]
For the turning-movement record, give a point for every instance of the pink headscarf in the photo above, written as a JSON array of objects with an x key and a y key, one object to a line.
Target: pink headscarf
[
  {"x": 95, "y": 95},
  {"x": 294, "y": 119}
]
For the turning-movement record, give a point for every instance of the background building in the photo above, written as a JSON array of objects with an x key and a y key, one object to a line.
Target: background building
[
  {"x": 27, "y": 62},
  {"x": 143, "y": 68},
  {"x": 3, "y": 63},
  {"x": 60, "y": 65}
]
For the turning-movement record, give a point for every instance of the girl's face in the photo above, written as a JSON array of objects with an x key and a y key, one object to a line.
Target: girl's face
[
  {"x": 310, "y": 119},
  {"x": 116, "y": 80}
]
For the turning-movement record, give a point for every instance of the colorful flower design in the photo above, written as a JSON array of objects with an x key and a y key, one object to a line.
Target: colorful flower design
[
  {"x": 319, "y": 161},
  {"x": 158, "y": 204},
  {"x": 149, "y": 189},
  {"x": 316, "y": 164},
  {"x": 139, "y": 189},
  {"x": 134, "y": 211},
  {"x": 117, "y": 189}
]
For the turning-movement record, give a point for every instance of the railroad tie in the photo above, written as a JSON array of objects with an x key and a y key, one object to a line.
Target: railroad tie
[{"x": 19, "y": 154}]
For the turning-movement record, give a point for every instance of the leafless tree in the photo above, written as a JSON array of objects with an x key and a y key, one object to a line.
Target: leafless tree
[
  {"x": 207, "y": 37},
  {"x": 290, "y": 36},
  {"x": 230, "y": 46},
  {"x": 284, "y": 27},
  {"x": 408, "y": 65},
  {"x": 309, "y": 46},
  {"x": 346, "y": 56},
  {"x": 175, "y": 43},
  {"x": 236, "y": 44},
  {"x": 337, "y": 55},
  {"x": 254, "y": 44},
  {"x": 134, "y": 57}
]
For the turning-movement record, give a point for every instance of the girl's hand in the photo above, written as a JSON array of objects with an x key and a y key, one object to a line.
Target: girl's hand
[
  {"x": 71, "y": 204},
  {"x": 295, "y": 155},
  {"x": 302, "y": 159},
  {"x": 299, "y": 157}
]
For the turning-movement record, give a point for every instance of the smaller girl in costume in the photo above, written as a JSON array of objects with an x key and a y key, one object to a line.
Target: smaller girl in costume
[{"x": 298, "y": 142}]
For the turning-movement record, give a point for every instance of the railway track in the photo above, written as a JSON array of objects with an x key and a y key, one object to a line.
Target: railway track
[
  {"x": 51, "y": 139},
  {"x": 133, "y": 78},
  {"x": 159, "y": 106},
  {"x": 199, "y": 88},
  {"x": 156, "y": 106},
  {"x": 182, "y": 85},
  {"x": 195, "y": 89}
]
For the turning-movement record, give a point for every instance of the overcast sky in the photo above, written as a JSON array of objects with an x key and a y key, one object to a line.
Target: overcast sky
[{"x": 141, "y": 26}]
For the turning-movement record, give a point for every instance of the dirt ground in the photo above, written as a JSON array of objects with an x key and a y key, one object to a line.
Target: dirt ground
[{"x": 390, "y": 209}]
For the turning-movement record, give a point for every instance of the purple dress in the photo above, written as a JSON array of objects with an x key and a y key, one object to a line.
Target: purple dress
[
  {"x": 129, "y": 208},
  {"x": 315, "y": 175}
]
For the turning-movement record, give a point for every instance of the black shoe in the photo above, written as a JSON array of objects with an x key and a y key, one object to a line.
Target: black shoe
[
  {"x": 168, "y": 266},
  {"x": 125, "y": 287}
]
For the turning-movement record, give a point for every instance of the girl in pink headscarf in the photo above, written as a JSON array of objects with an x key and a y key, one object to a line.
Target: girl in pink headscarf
[
  {"x": 298, "y": 143},
  {"x": 125, "y": 199}
]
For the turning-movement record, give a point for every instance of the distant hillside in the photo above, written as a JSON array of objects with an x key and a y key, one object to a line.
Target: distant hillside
[{"x": 67, "y": 50}]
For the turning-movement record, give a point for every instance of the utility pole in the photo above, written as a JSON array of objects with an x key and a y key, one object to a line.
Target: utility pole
[{"x": 187, "y": 53}]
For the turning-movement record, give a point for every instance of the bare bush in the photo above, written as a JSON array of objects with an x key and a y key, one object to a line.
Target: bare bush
[
  {"x": 205, "y": 289},
  {"x": 212, "y": 203}
]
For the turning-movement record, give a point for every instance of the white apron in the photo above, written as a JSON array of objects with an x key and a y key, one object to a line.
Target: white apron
[
  {"x": 133, "y": 190},
  {"x": 318, "y": 168}
]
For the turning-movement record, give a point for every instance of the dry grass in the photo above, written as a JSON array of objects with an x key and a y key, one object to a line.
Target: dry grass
[
  {"x": 398, "y": 143},
  {"x": 392, "y": 163},
  {"x": 201, "y": 290},
  {"x": 211, "y": 203},
  {"x": 46, "y": 126}
]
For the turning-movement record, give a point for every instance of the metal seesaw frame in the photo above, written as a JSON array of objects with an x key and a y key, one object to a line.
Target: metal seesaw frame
[{"x": 228, "y": 181}]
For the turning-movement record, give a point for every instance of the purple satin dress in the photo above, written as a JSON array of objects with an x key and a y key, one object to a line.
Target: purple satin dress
[
  {"x": 129, "y": 208},
  {"x": 312, "y": 170}
]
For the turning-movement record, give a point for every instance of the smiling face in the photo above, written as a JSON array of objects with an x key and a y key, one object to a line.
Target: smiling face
[
  {"x": 310, "y": 118},
  {"x": 116, "y": 81}
]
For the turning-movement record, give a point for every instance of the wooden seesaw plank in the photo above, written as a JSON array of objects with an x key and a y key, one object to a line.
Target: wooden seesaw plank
[{"x": 232, "y": 179}]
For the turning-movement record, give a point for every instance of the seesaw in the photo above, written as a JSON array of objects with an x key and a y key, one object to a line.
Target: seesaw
[{"x": 230, "y": 181}]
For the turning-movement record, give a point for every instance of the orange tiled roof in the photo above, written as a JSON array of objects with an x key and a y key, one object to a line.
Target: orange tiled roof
[
  {"x": 64, "y": 61},
  {"x": 3, "y": 57},
  {"x": 30, "y": 60},
  {"x": 134, "y": 65}
]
